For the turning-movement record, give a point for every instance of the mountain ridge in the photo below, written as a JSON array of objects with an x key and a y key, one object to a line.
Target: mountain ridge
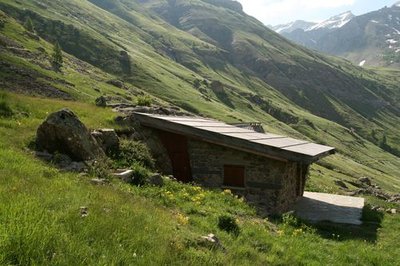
[
  {"x": 226, "y": 64},
  {"x": 367, "y": 40}
]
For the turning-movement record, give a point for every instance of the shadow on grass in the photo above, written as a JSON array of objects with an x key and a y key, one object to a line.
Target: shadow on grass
[
  {"x": 224, "y": 98},
  {"x": 367, "y": 231}
]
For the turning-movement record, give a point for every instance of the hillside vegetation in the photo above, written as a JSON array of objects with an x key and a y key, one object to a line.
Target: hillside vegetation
[
  {"x": 209, "y": 58},
  {"x": 42, "y": 222}
]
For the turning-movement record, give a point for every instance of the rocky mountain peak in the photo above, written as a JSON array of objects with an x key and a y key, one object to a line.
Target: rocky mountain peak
[{"x": 334, "y": 22}]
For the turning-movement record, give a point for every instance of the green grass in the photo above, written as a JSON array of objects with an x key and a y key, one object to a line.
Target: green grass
[{"x": 41, "y": 222}]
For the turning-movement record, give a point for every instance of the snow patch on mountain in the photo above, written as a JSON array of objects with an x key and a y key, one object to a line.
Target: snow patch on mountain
[
  {"x": 362, "y": 63},
  {"x": 334, "y": 22},
  {"x": 292, "y": 26},
  {"x": 391, "y": 41}
]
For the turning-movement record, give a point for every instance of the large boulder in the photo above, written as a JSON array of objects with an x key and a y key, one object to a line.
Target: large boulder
[{"x": 64, "y": 133}]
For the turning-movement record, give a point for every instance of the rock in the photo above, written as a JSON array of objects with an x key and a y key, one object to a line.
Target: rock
[
  {"x": 380, "y": 195},
  {"x": 217, "y": 86},
  {"x": 341, "y": 184},
  {"x": 365, "y": 180},
  {"x": 99, "y": 181},
  {"x": 125, "y": 175},
  {"x": 84, "y": 211},
  {"x": 172, "y": 178},
  {"x": 32, "y": 35},
  {"x": 373, "y": 191},
  {"x": 120, "y": 106},
  {"x": 119, "y": 119},
  {"x": 374, "y": 208},
  {"x": 107, "y": 139},
  {"x": 101, "y": 101},
  {"x": 44, "y": 156},
  {"x": 160, "y": 110},
  {"x": 24, "y": 114},
  {"x": 156, "y": 180},
  {"x": 62, "y": 161},
  {"x": 393, "y": 211},
  {"x": 395, "y": 198},
  {"x": 360, "y": 191},
  {"x": 211, "y": 241},
  {"x": 117, "y": 83},
  {"x": 77, "y": 167},
  {"x": 64, "y": 133}
]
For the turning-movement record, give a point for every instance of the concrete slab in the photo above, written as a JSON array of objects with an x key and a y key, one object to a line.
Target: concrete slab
[{"x": 318, "y": 207}]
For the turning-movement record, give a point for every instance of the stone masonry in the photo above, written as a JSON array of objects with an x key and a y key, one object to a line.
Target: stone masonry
[{"x": 270, "y": 185}]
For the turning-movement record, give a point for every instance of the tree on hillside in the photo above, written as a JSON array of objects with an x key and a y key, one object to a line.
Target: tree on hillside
[
  {"x": 57, "y": 57},
  {"x": 125, "y": 62},
  {"x": 29, "y": 25}
]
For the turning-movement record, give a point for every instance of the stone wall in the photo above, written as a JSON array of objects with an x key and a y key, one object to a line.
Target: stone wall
[
  {"x": 290, "y": 190},
  {"x": 270, "y": 185}
]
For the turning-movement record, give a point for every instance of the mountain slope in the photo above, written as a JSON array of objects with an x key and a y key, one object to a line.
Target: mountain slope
[
  {"x": 371, "y": 39},
  {"x": 211, "y": 58}
]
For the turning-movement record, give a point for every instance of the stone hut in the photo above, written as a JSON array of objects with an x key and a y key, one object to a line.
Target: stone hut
[{"x": 269, "y": 170}]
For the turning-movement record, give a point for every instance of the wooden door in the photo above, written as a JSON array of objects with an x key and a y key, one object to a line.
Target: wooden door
[
  {"x": 177, "y": 148},
  {"x": 302, "y": 172}
]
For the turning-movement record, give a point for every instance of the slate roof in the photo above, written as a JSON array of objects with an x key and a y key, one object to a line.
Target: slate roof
[{"x": 212, "y": 131}]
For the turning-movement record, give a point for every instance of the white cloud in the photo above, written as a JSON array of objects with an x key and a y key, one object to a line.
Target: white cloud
[{"x": 275, "y": 10}]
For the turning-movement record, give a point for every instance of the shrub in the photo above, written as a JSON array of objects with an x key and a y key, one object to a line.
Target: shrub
[
  {"x": 100, "y": 169},
  {"x": 140, "y": 173},
  {"x": 228, "y": 223},
  {"x": 57, "y": 57},
  {"x": 289, "y": 219},
  {"x": 188, "y": 107},
  {"x": 144, "y": 100},
  {"x": 132, "y": 152},
  {"x": 29, "y": 25},
  {"x": 125, "y": 62}
]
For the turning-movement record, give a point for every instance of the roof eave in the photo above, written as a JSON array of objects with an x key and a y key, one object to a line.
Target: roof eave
[{"x": 229, "y": 141}]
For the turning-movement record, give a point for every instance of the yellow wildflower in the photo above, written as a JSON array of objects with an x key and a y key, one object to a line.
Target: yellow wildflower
[
  {"x": 227, "y": 192},
  {"x": 297, "y": 232},
  {"x": 182, "y": 219}
]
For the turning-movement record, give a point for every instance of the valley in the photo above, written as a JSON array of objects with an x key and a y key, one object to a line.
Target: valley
[{"x": 206, "y": 58}]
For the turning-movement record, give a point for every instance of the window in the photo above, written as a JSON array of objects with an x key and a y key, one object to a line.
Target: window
[{"x": 234, "y": 176}]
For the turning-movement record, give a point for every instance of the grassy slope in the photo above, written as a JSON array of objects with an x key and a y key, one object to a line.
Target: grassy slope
[
  {"x": 164, "y": 78},
  {"x": 41, "y": 222}
]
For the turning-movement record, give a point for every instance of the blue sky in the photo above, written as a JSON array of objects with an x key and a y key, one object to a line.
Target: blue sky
[{"x": 282, "y": 11}]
